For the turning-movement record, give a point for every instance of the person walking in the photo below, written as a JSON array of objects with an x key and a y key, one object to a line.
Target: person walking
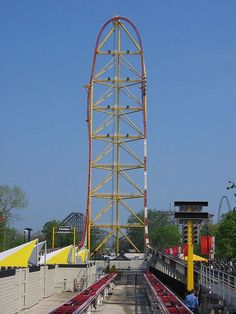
[{"x": 191, "y": 301}]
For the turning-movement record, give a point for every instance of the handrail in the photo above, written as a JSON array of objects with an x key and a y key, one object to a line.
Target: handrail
[{"x": 175, "y": 260}]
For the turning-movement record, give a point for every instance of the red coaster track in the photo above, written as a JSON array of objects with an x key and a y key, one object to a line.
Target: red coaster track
[
  {"x": 85, "y": 298},
  {"x": 166, "y": 300}
]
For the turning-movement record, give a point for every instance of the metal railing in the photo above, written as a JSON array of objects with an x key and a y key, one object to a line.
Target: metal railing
[{"x": 219, "y": 283}]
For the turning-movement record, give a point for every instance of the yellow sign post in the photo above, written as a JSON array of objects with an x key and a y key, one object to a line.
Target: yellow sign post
[
  {"x": 53, "y": 237},
  {"x": 190, "y": 270},
  {"x": 63, "y": 229},
  {"x": 190, "y": 211}
]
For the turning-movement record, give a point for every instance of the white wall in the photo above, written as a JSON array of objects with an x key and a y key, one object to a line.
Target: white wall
[
  {"x": 132, "y": 264},
  {"x": 21, "y": 288},
  {"x": 74, "y": 278},
  {"x": 8, "y": 295}
]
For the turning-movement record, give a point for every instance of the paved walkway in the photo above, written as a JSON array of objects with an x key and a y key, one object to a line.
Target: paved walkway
[
  {"x": 48, "y": 304},
  {"x": 125, "y": 299}
]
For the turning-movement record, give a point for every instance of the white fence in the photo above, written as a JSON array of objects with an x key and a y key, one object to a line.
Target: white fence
[{"x": 22, "y": 288}]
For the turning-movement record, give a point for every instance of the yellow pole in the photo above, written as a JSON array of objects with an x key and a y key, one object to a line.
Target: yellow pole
[
  {"x": 74, "y": 236},
  {"x": 190, "y": 277},
  {"x": 53, "y": 237}
]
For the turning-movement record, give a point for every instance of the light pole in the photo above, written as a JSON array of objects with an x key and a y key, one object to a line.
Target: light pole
[{"x": 27, "y": 234}]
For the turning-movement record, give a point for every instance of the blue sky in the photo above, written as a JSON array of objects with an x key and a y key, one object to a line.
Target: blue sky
[{"x": 45, "y": 59}]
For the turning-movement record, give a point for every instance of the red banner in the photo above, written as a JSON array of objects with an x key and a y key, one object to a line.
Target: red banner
[
  {"x": 185, "y": 249},
  {"x": 212, "y": 245},
  {"x": 207, "y": 244},
  {"x": 167, "y": 251},
  {"x": 174, "y": 250},
  {"x": 204, "y": 245}
]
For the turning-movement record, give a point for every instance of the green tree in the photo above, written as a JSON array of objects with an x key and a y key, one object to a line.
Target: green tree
[
  {"x": 38, "y": 235},
  {"x": 226, "y": 236},
  {"x": 165, "y": 237},
  {"x": 97, "y": 235},
  {"x": 61, "y": 239},
  {"x": 162, "y": 234},
  {"x": 209, "y": 229},
  {"x": 232, "y": 186},
  {"x": 47, "y": 231},
  {"x": 11, "y": 198},
  {"x": 135, "y": 234},
  {"x": 13, "y": 237}
]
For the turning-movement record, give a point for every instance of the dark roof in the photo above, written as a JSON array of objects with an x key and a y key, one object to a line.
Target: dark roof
[{"x": 121, "y": 258}]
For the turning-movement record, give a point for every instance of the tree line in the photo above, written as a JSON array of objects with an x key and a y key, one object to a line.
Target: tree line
[
  {"x": 162, "y": 233},
  {"x": 11, "y": 200}
]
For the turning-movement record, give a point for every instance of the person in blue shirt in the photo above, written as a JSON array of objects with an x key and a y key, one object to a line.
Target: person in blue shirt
[{"x": 191, "y": 301}]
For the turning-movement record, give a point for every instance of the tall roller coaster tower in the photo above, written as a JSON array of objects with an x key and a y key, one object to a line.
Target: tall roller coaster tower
[{"x": 116, "y": 109}]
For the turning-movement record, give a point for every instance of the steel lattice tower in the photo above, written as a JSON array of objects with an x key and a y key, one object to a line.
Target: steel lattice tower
[{"x": 116, "y": 104}]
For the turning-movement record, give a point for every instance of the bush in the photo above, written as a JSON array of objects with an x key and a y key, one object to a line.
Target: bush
[
  {"x": 107, "y": 269},
  {"x": 113, "y": 269}
]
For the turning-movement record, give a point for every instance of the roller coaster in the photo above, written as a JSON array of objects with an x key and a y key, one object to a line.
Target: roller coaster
[
  {"x": 117, "y": 189},
  {"x": 116, "y": 117}
]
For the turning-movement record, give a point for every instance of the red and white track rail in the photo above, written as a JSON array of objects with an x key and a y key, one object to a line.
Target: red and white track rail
[
  {"x": 90, "y": 297},
  {"x": 165, "y": 301}
]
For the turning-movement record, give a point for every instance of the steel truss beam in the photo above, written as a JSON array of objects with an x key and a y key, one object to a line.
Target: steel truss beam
[{"x": 117, "y": 128}]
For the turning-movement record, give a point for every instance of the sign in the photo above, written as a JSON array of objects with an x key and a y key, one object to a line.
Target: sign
[
  {"x": 185, "y": 249},
  {"x": 191, "y": 215},
  {"x": 175, "y": 250},
  {"x": 208, "y": 245},
  {"x": 167, "y": 251},
  {"x": 63, "y": 229},
  {"x": 193, "y": 208},
  {"x": 190, "y": 203},
  {"x": 196, "y": 221}
]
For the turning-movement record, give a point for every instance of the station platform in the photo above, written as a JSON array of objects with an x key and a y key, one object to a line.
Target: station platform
[
  {"x": 124, "y": 299},
  {"x": 48, "y": 304}
]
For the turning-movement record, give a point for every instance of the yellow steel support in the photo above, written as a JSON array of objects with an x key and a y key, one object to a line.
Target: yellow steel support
[
  {"x": 131, "y": 38},
  {"x": 116, "y": 122},
  {"x": 74, "y": 247},
  {"x": 125, "y": 226},
  {"x": 54, "y": 231},
  {"x": 190, "y": 269},
  {"x": 105, "y": 39},
  {"x": 103, "y": 241},
  {"x": 74, "y": 235},
  {"x": 128, "y": 239},
  {"x": 53, "y": 237}
]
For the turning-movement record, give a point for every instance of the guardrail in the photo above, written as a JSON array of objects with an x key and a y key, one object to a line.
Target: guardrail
[
  {"x": 219, "y": 283},
  {"x": 162, "y": 299},
  {"x": 88, "y": 298},
  {"x": 177, "y": 266},
  {"x": 211, "y": 281},
  {"x": 166, "y": 257}
]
